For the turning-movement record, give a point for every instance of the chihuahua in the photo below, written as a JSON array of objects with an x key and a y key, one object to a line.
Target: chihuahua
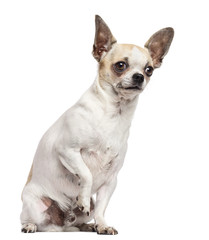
[{"x": 82, "y": 153}]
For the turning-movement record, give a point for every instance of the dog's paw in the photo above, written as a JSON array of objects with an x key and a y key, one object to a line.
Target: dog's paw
[
  {"x": 87, "y": 227},
  {"x": 29, "y": 228},
  {"x": 83, "y": 204},
  {"x": 101, "y": 229}
]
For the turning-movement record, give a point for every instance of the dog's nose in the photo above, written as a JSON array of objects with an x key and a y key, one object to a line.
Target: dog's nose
[{"x": 138, "y": 78}]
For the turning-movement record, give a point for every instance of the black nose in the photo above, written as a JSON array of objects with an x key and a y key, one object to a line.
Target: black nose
[{"x": 138, "y": 78}]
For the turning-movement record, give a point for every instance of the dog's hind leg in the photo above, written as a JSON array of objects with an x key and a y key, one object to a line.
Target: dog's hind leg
[
  {"x": 32, "y": 215},
  {"x": 40, "y": 213}
]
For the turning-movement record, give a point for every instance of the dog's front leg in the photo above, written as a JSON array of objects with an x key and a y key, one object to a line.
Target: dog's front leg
[
  {"x": 72, "y": 160},
  {"x": 103, "y": 196}
]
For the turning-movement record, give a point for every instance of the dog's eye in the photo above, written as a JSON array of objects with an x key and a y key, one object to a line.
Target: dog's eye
[
  {"x": 149, "y": 70},
  {"x": 120, "y": 66}
]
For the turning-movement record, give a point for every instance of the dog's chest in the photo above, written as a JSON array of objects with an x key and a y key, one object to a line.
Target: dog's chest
[{"x": 105, "y": 152}]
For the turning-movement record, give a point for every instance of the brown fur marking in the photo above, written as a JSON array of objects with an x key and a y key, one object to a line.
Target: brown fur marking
[{"x": 57, "y": 216}]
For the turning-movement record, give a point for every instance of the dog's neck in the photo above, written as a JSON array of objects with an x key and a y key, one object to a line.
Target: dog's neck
[{"x": 111, "y": 99}]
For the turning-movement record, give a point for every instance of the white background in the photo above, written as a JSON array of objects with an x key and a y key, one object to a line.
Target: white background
[{"x": 45, "y": 66}]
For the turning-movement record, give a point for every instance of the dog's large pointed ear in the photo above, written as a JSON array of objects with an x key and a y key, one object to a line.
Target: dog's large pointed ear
[
  {"x": 158, "y": 45},
  {"x": 103, "y": 39}
]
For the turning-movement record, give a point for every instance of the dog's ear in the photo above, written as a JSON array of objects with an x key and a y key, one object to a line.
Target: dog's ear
[
  {"x": 103, "y": 39},
  {"x": 158, "y": 45}
]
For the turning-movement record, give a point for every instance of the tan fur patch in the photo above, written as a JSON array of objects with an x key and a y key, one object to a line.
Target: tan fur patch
[
  {"x": 30, "y": 175},
  {"x": 29, "y": 178}
]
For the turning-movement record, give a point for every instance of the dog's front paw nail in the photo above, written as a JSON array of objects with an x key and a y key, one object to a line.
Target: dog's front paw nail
[
  {"x": 101, "y": 229},
  {"x": 83, "y": 204}
]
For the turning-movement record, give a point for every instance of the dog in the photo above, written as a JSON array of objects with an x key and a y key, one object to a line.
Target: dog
[{"x": 82, "y": 153}]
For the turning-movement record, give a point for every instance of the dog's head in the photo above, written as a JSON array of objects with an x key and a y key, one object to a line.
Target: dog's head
[{"x": 127, "y": 68}]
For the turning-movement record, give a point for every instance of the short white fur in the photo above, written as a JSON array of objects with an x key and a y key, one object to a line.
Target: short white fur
[{"x": 82, "y": 153}]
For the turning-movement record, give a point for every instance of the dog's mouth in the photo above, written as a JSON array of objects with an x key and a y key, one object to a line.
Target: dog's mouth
[
  {"x": 130, "y": 88},
  {"x": 133, "y": 88}
]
